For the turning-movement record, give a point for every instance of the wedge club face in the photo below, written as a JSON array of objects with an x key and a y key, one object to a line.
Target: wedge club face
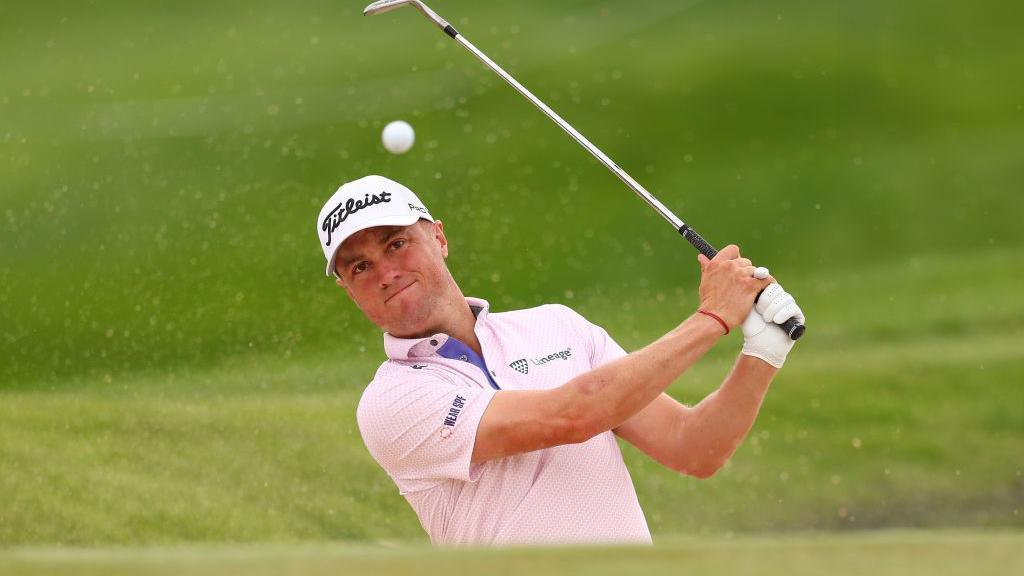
[{"x": 382, "y": 6}]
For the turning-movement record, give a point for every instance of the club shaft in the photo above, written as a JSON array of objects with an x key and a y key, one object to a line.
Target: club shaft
[
  {"x": 791, "y": 326},
  {"x": 594, "y": 150}
]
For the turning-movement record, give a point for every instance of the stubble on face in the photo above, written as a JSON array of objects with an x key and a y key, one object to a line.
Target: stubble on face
[{"x": 426, "y": 281}]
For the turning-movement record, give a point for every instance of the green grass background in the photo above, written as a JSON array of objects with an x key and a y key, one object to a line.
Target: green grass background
[
  {"x": 891, "y": 552},
  {"x": 174, "y": 368}
]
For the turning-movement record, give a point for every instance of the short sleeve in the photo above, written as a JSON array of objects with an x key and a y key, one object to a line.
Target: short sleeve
[
  {"x": 422, "y": 430},
  {"x": 602, "y": 347}
]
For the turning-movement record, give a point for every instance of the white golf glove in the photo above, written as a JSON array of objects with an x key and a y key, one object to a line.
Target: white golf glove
[{"x": 762, "y": 337}]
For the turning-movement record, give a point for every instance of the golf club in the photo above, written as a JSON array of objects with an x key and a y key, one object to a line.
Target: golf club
[{"x": 792, "y": 327}]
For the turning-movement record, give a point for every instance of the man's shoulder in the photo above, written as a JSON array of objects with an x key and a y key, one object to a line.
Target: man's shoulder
[
  {"x": 402, "y": 376},
  {"x": 542, "y": 312},
  {"x": 395, "y": 379},
  {"x": 395, "y": 373},
  {"x": 405, "y": 390},
  {"x": 550, "y": 319}
]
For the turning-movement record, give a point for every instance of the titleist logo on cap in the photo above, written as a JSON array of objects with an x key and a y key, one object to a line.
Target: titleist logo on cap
[{"x": 347, "y": 208}]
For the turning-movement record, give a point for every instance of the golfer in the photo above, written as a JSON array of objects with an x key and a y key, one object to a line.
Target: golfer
[{"x": 499, "y": 428}]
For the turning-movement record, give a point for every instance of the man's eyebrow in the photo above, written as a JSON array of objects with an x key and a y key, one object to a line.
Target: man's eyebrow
[
  {"x": 346, "y": 262},
  {"x": 382, "y": 239}
]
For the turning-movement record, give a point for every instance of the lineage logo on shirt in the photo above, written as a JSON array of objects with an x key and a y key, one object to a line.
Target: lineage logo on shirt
[{"x": 523, "y": 366}]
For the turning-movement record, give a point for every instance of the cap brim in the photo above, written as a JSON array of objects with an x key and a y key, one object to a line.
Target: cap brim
[{"x": 390, "y": 220}]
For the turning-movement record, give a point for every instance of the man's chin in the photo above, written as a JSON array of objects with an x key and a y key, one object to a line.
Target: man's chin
[{"x": 410, "y": 315}]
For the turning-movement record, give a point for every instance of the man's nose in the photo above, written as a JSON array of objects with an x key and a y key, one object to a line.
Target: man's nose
[{"x": 387, "y": 273}]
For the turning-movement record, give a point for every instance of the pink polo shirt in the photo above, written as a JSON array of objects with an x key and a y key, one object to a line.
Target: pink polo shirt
[{"x": 419, "y": 418}]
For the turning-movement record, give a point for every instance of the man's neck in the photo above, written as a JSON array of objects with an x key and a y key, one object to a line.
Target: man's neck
[
  {"x": 461, "y": 323},
  {"x": 458, "y": 322},
  {"x": 463, "y": 329}
]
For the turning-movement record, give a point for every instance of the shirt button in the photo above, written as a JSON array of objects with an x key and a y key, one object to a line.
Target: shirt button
[
  {"x": 433, "y": 342},
  {"x": 464, "y": 358}
]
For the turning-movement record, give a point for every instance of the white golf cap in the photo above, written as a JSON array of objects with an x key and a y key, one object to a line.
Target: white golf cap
[{"x": 365, "y": 203}]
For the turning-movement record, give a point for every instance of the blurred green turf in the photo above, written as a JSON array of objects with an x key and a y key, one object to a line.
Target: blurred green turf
[
  {"x": 897, "y": 553},
  {"x": 175, "y": 368},
  {"x": 859, "y": 431}
]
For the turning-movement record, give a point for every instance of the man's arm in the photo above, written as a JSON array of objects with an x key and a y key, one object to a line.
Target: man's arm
[
  {"x": 697, "y": 441},
  {"x": 604, "y": 398},
  {"x": 518, "y": 421}
]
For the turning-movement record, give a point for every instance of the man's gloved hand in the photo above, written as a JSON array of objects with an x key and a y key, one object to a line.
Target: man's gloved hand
[{"x": 762, "y": 337}]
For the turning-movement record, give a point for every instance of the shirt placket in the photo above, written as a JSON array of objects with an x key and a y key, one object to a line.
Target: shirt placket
[
  {"x": 455, "y": 349},
  {"x": 484, "y": 336}
]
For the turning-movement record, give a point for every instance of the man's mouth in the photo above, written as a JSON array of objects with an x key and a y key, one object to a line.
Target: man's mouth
[{"x": 400, "y": 290}]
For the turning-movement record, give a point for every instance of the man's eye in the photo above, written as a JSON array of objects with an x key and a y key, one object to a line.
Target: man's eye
[
  {"x": 398, "y": 244},
  {"x": 361, "y": 267}
]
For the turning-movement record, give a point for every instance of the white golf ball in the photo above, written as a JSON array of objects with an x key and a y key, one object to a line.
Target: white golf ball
[{"x": 398, "y": 137}]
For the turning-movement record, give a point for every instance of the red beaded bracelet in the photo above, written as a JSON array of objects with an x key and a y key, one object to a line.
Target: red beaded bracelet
[{"x": 716, "y": 317}]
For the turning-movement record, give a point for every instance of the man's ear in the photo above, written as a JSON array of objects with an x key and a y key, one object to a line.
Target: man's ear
[{"x": 440, "y": 237}]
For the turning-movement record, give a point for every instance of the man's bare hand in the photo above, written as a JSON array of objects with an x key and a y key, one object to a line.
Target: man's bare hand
[{"x": 728, "y": 286}]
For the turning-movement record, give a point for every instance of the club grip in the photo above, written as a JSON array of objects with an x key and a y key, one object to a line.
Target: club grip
[
  {"x": 791, "y": 327},
  {"x": 698, "y": 241}
]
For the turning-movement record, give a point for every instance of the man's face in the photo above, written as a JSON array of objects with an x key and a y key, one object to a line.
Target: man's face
[{"x": 396, "y": 275}]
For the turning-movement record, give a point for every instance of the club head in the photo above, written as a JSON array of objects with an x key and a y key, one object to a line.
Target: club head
[{"x": 382, "y": 6}]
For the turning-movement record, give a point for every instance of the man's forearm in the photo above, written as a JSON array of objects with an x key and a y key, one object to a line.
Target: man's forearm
[
  {"x": 716, "y": 427},
  {"x": 610, "y": 394}
]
